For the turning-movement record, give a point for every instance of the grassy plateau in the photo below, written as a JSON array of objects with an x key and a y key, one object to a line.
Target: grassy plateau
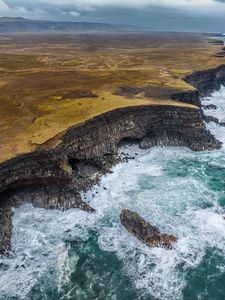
[{"x": 49, "y": 83}]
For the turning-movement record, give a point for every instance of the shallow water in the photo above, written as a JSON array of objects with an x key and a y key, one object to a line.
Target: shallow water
[{"x": 75, "y": 255}]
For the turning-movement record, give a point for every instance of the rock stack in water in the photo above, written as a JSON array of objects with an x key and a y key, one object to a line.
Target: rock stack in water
[{"x": 145, "y": 232}]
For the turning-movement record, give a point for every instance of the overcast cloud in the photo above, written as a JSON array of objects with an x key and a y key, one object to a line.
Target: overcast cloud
[{"x": 193, "y": 15}]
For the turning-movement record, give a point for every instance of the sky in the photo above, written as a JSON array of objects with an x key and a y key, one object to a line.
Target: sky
[{"x": 173, "y": 15}]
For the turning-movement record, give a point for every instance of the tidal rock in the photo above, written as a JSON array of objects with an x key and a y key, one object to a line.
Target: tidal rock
[
  {"x": 209, "y": 107},
  {"x": 145, "y": 232},
  {"x": 5, "y": 229},
  {"x": 209, "y": 119}
]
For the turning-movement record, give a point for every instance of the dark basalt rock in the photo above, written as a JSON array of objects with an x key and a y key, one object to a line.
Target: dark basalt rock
[
  {"x": 145, "y": 232},
  {"x": 49, "y": 198},
  {"x": 209, "y": 107},
  {"x": 191, "y": 97},
  {"x": 90, "y": 150},
  {"x": 209, "y": 119},
  {"x": 207, "y": 81},
  {"x": 5, "y": 227}
]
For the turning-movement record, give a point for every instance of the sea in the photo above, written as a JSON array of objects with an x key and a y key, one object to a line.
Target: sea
[{"x": 75, "y": 255}]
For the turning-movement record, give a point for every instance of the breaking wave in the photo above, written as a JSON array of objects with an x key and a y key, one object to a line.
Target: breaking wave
[{"x": 75, "y": 255}]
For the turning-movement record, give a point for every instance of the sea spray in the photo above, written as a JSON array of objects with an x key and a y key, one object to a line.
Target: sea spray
[{"x": 75, "y": 255}]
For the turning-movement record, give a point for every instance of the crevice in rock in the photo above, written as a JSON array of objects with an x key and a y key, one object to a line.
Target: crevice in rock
[
  {"x": 73, "y": 162},
  {"x": 127, "y": 141}
]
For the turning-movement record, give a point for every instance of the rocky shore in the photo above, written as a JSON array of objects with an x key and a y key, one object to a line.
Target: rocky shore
[
  {"x": 55, "y": 178},
  {"x": 207, "y": 81},
  {"x": 145, "y": 232}
]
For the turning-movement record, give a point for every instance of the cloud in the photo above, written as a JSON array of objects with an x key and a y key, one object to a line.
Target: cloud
[
  {"x": 178, "y": 4},
  {"x": 9, "y": 8},
  {"x": 6, "y": 9},
  {"x": 189, "y": 13},
  {"x": 3, "y": 6},
  {"x": 193, "y": 6},
  {"x": 182, "y": 4},
  {"x": 74, "y": 13}
]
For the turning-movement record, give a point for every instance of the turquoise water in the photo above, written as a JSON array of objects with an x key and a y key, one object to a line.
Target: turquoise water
[{"x": 75, "y": 255}]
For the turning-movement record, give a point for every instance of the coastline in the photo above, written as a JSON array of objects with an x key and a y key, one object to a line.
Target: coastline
[{"x": 55, "y": 178}]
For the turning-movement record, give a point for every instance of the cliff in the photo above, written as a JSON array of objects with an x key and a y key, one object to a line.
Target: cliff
[
  {"x": 207, "y": 81},
  {"x": 50, "y": 83},
  {"x": 54, "y": 178}
]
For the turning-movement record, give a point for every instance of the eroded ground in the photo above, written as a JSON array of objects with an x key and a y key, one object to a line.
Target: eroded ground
[{"x": 50, "y": 83}]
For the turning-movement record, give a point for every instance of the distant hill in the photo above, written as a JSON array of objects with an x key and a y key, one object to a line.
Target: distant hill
[{"x": 19, "y": 25}]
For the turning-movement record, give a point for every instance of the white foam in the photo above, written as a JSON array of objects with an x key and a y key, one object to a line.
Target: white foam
[
  {"x": 38, "y": 244},
  {"x": 173, "y": 205},
  {"x": 168, "y": 187},
  {"x": 217, "y": 99}
]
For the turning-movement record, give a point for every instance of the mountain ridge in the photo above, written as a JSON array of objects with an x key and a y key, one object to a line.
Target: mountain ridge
[{"x": 21, "y": 25}]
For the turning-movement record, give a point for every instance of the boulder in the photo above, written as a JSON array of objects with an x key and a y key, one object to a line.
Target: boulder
[
  {"x": 209, "y": 119},
  {"x": 209, "y": 107},
  {"x": 145, "y": 232}
]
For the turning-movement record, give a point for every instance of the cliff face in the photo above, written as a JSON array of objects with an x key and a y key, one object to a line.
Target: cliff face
[
  {"x": 99, "y": 137},
  {"x": 207, "y": 81},
  {"x": 191, "y": 97},
  {"x": 55, "y": 178}
]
